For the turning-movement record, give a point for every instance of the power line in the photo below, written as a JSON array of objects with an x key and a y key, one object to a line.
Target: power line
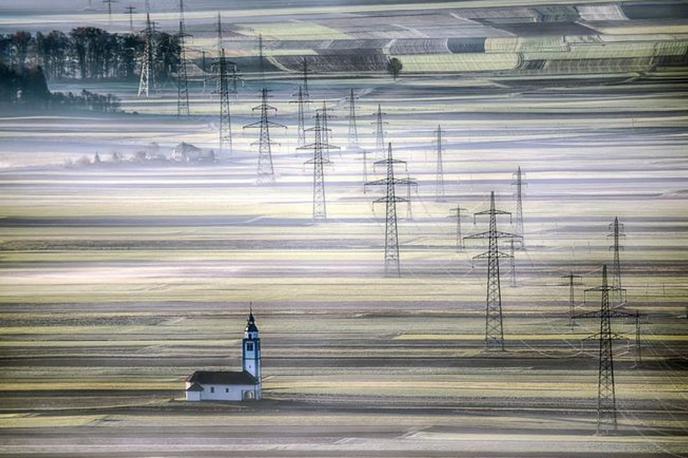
[
  {"x": 147, "y": 80},
  {"x": 225, "y": 118},
  {"x": 392, "y": 262},
  {"x": 266, "y": 171},
  {"x": 182, "y": 75},
  {"x": 494, "y": 329},
  {"x": 130, "y": 10},
  {"x": 379, "y": 133},
  {"x": 318, "y": 161},
  {"x": 109, "y": 6},
  {"x": 301, "y": 129},
  {"x": 460, "y": 245},
  {"x": 573, "y": 281},
  {"x": 616, "y": 233},
  {"x": 353, "y": 128},
  {"x": 439, "y": 170},
  {"x": 519, "y": 183}
]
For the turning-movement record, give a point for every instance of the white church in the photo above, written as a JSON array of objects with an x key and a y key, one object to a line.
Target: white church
[{"x": 231, "y": 385}]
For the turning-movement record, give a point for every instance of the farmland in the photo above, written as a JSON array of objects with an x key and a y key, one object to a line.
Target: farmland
[{"x": 117, "y": 280}]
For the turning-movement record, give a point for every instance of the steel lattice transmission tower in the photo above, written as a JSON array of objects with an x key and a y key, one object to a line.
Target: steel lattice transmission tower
[
  {"x": 439, "y": 171},
  {"x": 494, "y": 329},
  {"x": 261, "y": 57},
  {"x": 306, "y": 93},
  {"x": 266, "y": 171},
  {"x": 573, "y": 281},
  {"x": 392, "y": 264},
  {"x": 379, "y": 133},
  {"x": 301, "y": 129},
  {"x": 130, "y": 11},
  {"x": 147, "y": 80},
  {"x": 512, "y": 263},
  {"x": 606, "y": 391},
  {"x": 220, "y": 39},
  {"x": 318, "y": 162},
  {"x": 409, "y": 205},
  {"x": 456, "y": 213},
  {"x": 182, "y": 75},
  {"x": 519, "y": 183},
  {"x": 109, "y": 6},
  {"x": 225, "y": 121},
  {"x": 616, "y": 230},
  {"x": 353, "y": 128},
  {"x": 324, "y": 117}
]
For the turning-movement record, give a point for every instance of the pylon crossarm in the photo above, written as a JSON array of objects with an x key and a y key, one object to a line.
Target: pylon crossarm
[
  {"x": 265, "y": 143},
  {"x": 380, "y": 182},
  {"x": 486, "y": 255},
  {"x": 324, "y": 161},
  {"x": 604, "y": 288},
  {"x": 497, "y": 234},
  {"x": 389, "y": 199},
  {"x": 596, "y": 336},
  {"x": 386, "y": 162},
  {"x": 492, "y": 212},
  {"x": 321, "y": 145}
]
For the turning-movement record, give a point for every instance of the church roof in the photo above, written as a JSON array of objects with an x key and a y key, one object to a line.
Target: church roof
[
  {"x": 251, "y": 323},
  {"x": 222, "y": 378},
  {"x": 195, "y": 387}
]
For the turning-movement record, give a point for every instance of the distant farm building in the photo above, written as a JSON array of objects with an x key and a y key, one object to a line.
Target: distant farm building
[
  {"x": 186, "y": 152},
  {"x": 231, "y": 385}
]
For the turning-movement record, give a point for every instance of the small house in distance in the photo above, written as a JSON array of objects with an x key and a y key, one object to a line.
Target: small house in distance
[{"x": 231, "y": 385}]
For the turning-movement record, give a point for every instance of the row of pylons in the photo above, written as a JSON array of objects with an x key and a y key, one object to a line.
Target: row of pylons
[{"x": 321, "y": 147}]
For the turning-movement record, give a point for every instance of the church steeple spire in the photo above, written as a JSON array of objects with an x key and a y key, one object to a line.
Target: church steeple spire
[{"x": 251, "y": 357}]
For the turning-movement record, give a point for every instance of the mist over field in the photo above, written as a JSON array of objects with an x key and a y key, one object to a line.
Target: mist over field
[{"x": 132, "y": 241}]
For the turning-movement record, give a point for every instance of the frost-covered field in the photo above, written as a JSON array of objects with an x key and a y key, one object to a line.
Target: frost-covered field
[{"x": 119, "y": 280}]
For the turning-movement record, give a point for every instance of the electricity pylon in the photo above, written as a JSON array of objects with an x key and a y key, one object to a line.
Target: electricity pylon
[
  {"x": 519, "y": 183},
  {"x": 109, "y": 6},
  {"x": 616, "y": 230},
  {"x": 318, "y": 161},
  {"x": 147, "y": 80},
  {"x": 324, "y": 117},
  {"x": 409, "y": 205},
  {"x": 353, "y": 128},
  {"x": 261, "y": 62},
  {"x": 301, "y": 129},
  {"x": 182, "y": 76},
  {"x": 130, "y": 11},
  {"x": 494, "y": 329},
  {"x": 220, "y": 40},
  {"x": 606, "y": 390},
  {"x": 616, "y": 312},
  {"x": 235, "y": 79},
  {"x": 364, "y": 152},
  {"x": 306, "y": 93},
  {"x": 225, "y": 121},
  {"x": 379, "y": 133},
  {"x": 266, "y": 171},
  {"x": 439, "y": 171},
  {"x": 512, "y": 263},
  {"x": 573, "y": 281},
  {"x": 392, "y": 264},
  {"x": 459, "y": 236}
]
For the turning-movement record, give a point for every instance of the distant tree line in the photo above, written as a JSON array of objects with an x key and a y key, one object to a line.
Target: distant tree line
[
  {"x": 27, "y": 86},
  {"x": 87, "y": 53}
]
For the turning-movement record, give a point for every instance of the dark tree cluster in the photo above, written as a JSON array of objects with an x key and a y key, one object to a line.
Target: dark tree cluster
[
  {"x": 27, "y": 86},
  {"x": 87, "y": 53}
]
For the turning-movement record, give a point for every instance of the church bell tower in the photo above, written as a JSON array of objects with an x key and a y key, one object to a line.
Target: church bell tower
[{"x": 251, "y": 348}]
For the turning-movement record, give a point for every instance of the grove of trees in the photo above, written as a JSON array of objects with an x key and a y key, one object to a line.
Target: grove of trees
[{"x": 87, "y": 53}]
